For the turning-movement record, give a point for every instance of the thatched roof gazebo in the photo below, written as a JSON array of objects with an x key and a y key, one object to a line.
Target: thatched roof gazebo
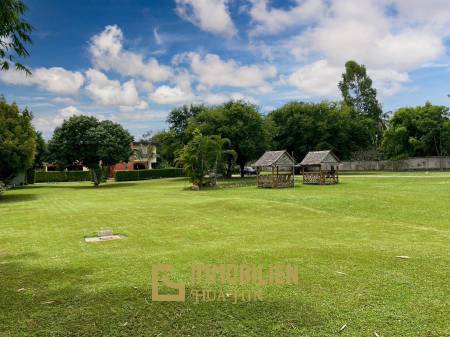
[
  {"x": 279, "y": 169},
  {"x": 320, "y": 167}
]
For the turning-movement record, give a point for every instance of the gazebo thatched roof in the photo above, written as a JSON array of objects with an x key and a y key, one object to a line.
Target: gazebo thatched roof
[
  {"x": 320, "y": 157},
  {"x": 275, "y": 158}
]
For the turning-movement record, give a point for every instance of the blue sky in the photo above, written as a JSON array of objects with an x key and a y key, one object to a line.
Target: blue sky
[{"x": 132, "y": 61}]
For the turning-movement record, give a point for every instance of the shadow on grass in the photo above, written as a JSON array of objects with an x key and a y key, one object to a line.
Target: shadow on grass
[
  {"x": 76, "y": 185},
  {"x": 61, "y": 301},
  {"x": 10, "y": 198}
]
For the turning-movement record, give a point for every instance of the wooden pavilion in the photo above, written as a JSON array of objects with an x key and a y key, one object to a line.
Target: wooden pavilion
[
  {"x": 275, "y": 169},
  {"x": 320, "y": 168}
]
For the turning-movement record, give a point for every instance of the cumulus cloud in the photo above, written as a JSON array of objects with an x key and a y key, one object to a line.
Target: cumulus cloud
[
  {"x": 219, "y": 98},
  {"x": 273, "y": 20},
  {"x": 316, "y": 79},
  {"x": 212, "y": 71},
  {"x": 111, "y": 92},
  {"x": 49, "y": 123},
  {"x": 107, "y": 53},
  {"x": 56, "y": 79},
  {"x": 209, "y": 15},
  {"x": 171, "y": 95},
  {"x": 390, "y": 44}
]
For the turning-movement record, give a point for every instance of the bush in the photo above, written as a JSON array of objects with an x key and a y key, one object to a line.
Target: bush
[
  {"x": 60, "y": 176},
  {"x": 148, "y": 174}
]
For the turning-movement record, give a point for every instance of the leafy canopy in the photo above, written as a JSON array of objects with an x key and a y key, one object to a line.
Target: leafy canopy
[
  {"x": 91, "y": 142},
  {"x": 239, "y": 122},
  {"x": 14, "y": 34},
  {"x": 418, "y": 131},
  {"x": 201, "y": 156},
  {"x": 302, "y": 127},
  {"x": 17, "y": 140}
]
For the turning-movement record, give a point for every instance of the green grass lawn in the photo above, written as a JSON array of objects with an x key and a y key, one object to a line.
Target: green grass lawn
[{"x": 344, "y": 239}]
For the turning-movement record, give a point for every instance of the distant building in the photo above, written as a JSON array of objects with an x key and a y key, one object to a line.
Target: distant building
[{"x": 143, "y": 158}]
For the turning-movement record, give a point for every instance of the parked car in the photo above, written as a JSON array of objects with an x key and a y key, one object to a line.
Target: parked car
[{"x": 249, "y": 171}]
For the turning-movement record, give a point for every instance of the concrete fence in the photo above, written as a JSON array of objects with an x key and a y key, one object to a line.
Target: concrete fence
[{"x": 410, "y": 164}]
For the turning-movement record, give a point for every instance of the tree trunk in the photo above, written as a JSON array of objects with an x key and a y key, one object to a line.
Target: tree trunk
[
  {"x": 241, "y": 166},
  {"x": 95, "y": 178},
  {"x": 97, "y": 173},
  {"x": 229, "y": 172}
]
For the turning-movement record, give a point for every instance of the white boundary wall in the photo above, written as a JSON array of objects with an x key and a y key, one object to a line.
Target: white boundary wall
[{"x": 410, "y": 164}]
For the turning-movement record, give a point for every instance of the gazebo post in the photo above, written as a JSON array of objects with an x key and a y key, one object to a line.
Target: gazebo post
[
  {"x": 276, "y": 180},
  {"x": 273, "y": 175}
]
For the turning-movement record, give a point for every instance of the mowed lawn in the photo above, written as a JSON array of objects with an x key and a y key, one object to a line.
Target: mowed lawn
[{"x": 344, "y": 240}]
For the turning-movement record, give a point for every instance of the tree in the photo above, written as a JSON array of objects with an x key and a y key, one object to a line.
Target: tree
[
  {"x": 419, "y": 131},
  {"x": 41, "y": 153},
  {"x": 167, "y": 144},
  {"x": 241, "y": 123},
  {"x": 178, "y": 120},
  {"x": 17, "y": 141},
  {"x": 302, "y": 127},
  {"x": 201, "y": 156},
  {"x": 14, "y": 34},
  {"x": 361, "y": 97},
  {"x": 93, "y": 143}
]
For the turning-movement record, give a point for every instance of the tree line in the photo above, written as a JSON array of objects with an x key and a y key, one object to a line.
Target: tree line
[
  {"x": 211, "y": 140},
  {"x": 354, "y": 128}
]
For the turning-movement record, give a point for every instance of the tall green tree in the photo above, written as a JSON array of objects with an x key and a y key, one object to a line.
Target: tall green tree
[
  {"x": 41, "y": 153},
  {"x": 167, "y": 144},
  {"x": 93, "y": 143},
  {"x": 302, "y": 127},
  {"x": 361, "y": 97},
  {"x": 178, "y": 120},
  {"x": 17, "y": 140},
  {"x": 241, "y": 123},
  {"x": 14, "y": 34},
  {"x": 418, "y": 131},
  {"x": 201, "y": 156}
]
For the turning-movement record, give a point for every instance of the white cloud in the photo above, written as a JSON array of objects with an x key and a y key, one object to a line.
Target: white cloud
[
  {"x": 65, "y": 100},
  {"x": 56, "y": 79},
  {"x": 170, "y": 95},
  {"x": 390, "y": 37},
  {"x": 219, "y": 98},
  {"x": 318, "y": 79},
  {"x": 111, "y": 92},
  {"x": 274, "y": 20},
  {"x": 157, "y": 37},
  {"x": 211, "y": 71},
  {"x": 48, "y": 124},
  {"x": 209, "y": 15},
  {"x": 433, "y": 14},
  {"x": 108, "y": 53}
]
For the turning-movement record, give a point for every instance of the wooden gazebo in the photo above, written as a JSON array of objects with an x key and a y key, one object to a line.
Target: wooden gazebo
[
  {"x": 320, "y": 168},
  {"x": 275, "y": 169}
]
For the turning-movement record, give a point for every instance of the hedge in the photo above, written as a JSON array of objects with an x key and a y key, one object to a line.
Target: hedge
[
  {"x": 60, "y": 176},
  {"x": 148, "y": 174}
]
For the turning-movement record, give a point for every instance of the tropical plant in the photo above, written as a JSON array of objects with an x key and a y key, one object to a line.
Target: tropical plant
[
  {"x": 202, "y": 156},
  {"x": 242, "y": 124},
  {"x": 14, "y": 34}
]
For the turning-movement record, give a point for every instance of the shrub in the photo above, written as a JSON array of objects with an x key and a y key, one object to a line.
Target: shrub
[
  {"x": 148, "y": 174},
  {"x": 60, "y": 176}
]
